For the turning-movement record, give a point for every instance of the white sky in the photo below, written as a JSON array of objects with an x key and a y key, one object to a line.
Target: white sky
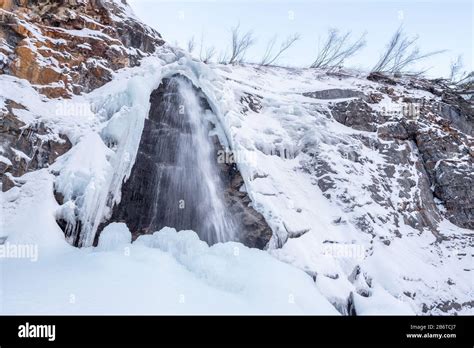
[{"x": 439, "y": 25}]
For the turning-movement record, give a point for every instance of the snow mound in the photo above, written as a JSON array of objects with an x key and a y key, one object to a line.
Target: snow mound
[
  {"x": 166, "y": 273},
  {"x": 378, "y": 303},
  {"x": 233, "y": 267},
  {"x": 114, "y": 236}
]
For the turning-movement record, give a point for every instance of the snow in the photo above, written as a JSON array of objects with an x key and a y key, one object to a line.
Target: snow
[
  {"x": 84, "y": 177},
  {"x": 166, "y": 273},
  {"x": 171, "y": 272},
  {"x": 114, "y": 236},
  {"x": 27, "y": 213},
  {"x": 87, "y": 33},
  {"x": 378, "y": 303},
  {"x": 5, "y": 160},
  {"x": 21, "y": 155}
]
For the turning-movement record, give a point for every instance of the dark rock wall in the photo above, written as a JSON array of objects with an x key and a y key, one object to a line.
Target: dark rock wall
[{"x": 254, "y": 230}]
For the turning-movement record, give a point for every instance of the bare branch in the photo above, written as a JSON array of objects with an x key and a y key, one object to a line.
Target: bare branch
[
  {"x": 461, "y": 78},
  {"x": 268, "y": 51},
  {"x": 400, "y": 53},
  {"x": 209, "y": 54},
  {"x": 458, "y": 76},
  {"x": 269, "y": 57},
  {"x": 201, "y": 45},
  {"x": 223, "y": 57},
  {"x": 240, "y": 45},
  {"x": 337, "y": 48},
  {"x": 455, "y": 67},
  {"x": 205, "y": 54},
  {"x": 467, "y": 81},
  {"x": 191, "y": 44}
]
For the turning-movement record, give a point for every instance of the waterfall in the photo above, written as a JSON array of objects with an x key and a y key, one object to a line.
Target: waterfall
[
  {"x": 189, "y": 190},
  {"x": 175, "y": 180}
]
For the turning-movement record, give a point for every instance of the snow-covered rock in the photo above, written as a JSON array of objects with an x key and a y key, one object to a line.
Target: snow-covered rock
[{"x": 65, "y": 48}]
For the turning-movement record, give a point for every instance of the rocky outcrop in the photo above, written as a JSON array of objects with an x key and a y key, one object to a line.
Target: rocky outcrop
[
  {"x": 335, "y": 93},
  {"x": 356, "y": 114},
  {"x": 449, "y": 161},
  {"x": 254, "y": 230},
  {"x": 431, "y": 136},
  {"x": 25, "y": 147},
  {"x": 68, "y": 47}
]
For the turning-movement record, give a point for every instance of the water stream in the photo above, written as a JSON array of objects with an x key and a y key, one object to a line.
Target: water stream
[
  {"x": 189, "y": 191},
  {"x": 175, "y": 181}
]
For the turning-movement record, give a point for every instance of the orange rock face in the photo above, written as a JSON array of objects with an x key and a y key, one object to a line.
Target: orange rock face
[{"x": 68, "y": 47}]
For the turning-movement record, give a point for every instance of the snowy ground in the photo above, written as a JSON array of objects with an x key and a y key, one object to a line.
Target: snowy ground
[
  {"x": 174, "y": 272},
  {"x": 167, "y": 273}
]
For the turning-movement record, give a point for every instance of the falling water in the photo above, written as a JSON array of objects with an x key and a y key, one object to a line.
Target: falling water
[
  {"x": 189, "y": 191},
  {"x": 175, "y": 180}
]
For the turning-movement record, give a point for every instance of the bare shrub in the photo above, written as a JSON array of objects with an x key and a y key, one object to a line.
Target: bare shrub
[
  {"x": 191, "y": 44},
  {"x": 208, "y": 54},
  {"x": 337, "y": 48},
  {"x": 240, "y": 44},
  {"x": 270, "y": 56},
  {"x": 457, "y": 74},
  {"x": 400, "y": 53},
  {"x": 205, "y": 53}
]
